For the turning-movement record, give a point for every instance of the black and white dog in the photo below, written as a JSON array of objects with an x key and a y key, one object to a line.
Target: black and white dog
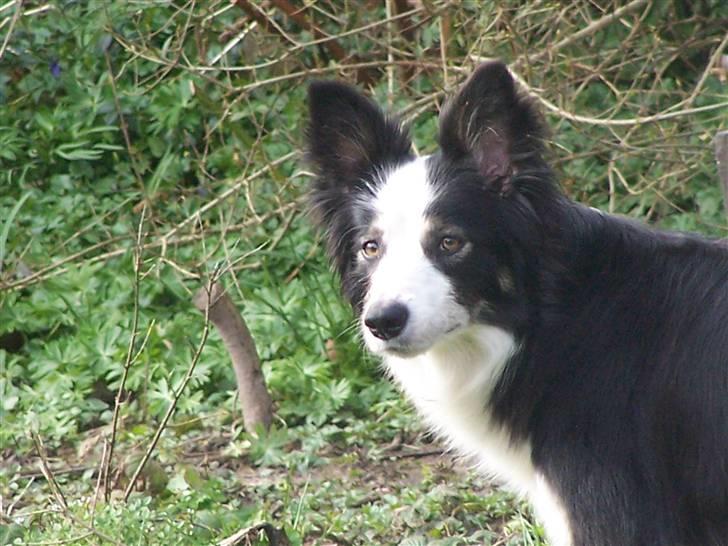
[{"x": 581, "y": 358}]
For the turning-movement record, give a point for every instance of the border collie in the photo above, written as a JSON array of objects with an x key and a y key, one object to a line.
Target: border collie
[{"x": 580, "y": 358}]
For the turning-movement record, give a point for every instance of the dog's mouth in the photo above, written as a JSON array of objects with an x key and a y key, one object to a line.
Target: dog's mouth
[
  {"x": 399, "y": 347},
  {"x": 405, "y": 347},
  {"x": 403, "y": 351}
]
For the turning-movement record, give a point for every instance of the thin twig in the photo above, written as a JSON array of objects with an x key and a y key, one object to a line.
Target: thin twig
[
  {"x": 18, "y": 498},
  {"x": 13, "y": 22},
  {"x": 590, "y": 29},
  {"x": 125, "y": 132},
  {"x": 390, "y": 55},
  {"x": 661, "y": 116},
  {"x": 275, "y": 536},
  {"x": 47, "y": 472},
  {"x": 259, "y": 16},
  {"x": 103, "y": 471},
  {"x": 290, "y": 51},
  {"x": 444, "y": 39},
  {"x": 225, "y": 195},
  {"x": 173, "y": 403},
  {"x": 57, "y": 267},
  {"x": 129, "y": 356},
  {"x": 42, "y": 273},
  {"x": 706, "y": 73},
  {"x": 295, "y": 13}
]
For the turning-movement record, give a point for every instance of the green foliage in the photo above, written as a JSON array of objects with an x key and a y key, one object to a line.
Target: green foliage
[
  {"x": 122, "y": 121},
  {"x": 200, "y": 511}
]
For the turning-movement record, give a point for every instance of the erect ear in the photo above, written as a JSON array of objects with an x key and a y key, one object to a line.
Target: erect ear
[
  {"x": 492, "y": 122},
  {"x": 348, "y": 134}
]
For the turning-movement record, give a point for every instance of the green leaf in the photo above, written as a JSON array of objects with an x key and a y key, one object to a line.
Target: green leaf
[
  {"x": 8, "y": 223},
  {"x": 74, "y": 151}
]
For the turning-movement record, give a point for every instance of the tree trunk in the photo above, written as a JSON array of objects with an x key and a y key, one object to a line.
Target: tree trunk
[{"x": 254, "y": 398}]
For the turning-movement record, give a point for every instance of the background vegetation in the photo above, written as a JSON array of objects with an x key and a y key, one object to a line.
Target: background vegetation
[{"x": 147, "y": 145}]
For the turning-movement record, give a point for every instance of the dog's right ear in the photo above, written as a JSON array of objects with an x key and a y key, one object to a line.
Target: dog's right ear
[{"x": 348, "y": 135}]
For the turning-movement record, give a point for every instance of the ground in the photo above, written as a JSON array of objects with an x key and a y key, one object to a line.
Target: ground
[{"x": 406, "y": 492}]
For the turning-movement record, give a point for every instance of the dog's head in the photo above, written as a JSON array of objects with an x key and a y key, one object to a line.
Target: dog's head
[{"x": 427, "y": 246}]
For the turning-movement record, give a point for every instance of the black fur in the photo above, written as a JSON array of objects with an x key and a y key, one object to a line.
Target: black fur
[{"x": 621, "y": 380}]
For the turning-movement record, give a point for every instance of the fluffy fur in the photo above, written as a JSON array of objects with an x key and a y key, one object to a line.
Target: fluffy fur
[{"x": 581, "y": 358}]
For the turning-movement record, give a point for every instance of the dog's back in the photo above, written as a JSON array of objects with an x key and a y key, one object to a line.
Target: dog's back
[{"x": 622, "y": 388}]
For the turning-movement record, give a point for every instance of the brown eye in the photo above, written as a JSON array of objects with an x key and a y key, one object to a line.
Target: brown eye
[
  {"x": 370, "y": 249},
  {"x": 450, "y": 245}
]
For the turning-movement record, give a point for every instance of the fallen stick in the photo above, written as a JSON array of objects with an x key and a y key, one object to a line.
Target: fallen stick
[
  {"x": 275, "y": 536},
  {"x": 254, "y": 398}
]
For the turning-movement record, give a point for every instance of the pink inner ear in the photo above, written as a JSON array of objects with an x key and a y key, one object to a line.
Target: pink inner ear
[{"x": 494, "y": 159}]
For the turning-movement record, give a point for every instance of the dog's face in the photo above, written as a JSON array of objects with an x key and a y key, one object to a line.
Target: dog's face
[
  {"x": 427, "y": 246},
  {"x": 404, "y": 253}
]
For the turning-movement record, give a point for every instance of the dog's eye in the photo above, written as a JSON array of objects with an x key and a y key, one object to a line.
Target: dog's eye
[
  {"x": 450, "y": 245},
  {"x": 370, "y": 249}
]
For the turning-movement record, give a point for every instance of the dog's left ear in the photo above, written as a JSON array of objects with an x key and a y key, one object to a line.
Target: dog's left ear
[{"x": 495, "y": 124}]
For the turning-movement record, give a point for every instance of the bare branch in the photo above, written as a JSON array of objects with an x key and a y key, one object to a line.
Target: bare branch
[
  {"x": 13, "y": 22},
  {"x": 589, "y": 30},
  {"x": 275, "y": 536},
  {"x": 106, "y": 462},
  {"x": 254, "y": 398}
]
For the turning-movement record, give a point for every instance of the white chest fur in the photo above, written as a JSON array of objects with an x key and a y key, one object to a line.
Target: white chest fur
[{"x": 450, "y": 385}]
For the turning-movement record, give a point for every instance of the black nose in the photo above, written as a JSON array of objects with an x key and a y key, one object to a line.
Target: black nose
[{"x": 388, "y": 321}]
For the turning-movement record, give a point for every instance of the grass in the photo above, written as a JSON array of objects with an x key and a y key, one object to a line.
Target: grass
[{"x": 149, "y": 146}]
